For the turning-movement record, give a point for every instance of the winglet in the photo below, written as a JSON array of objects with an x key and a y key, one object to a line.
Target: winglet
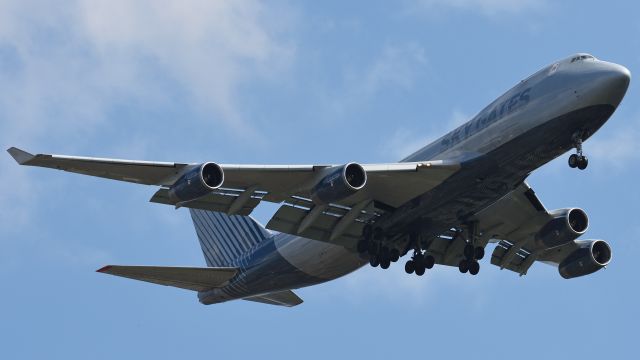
[
  {"x": 104, "y": 269},
  {"x": 21, "y": 156}
]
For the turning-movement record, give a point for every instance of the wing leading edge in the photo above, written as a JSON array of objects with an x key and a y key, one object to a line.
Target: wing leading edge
[{"x": 245, "y": 186}]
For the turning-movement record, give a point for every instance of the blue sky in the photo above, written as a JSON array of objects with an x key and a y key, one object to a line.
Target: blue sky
[{"x": 291, "y": 82}]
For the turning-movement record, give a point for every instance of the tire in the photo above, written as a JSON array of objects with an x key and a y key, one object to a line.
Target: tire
[
  {"x": 479, "y": 253},
  {"x": 373, "y": 261},
  {"x": 474, "y": 268},
  {"x": 385, "y": 263},
  {"x": 463, "y": 266},
  {"x": 420, "y": 270},
  {"x": 583, "y": 162},
  {"x": 408, "y": 267},
  {"x": 573, "y": 161},
  {"x": 394, "y": 255},
  {"x": 384, "y": 253},
  {"x": 429, "y": 261}
]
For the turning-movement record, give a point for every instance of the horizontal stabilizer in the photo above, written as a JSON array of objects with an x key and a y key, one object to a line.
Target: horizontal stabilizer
[
  {"x": 190, "y": 278},
  {"x": 282, "y": 298}
]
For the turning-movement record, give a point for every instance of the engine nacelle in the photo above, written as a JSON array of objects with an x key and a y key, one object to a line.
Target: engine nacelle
[
  {"x": 592, "y": 256},
  {"x": 197, "y": 182},
  {"x": 567, "y": 225},
  {"x": 339, "y": 183}
]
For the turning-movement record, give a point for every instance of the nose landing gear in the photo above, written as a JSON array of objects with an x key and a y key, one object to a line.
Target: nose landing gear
[{"x": 578, "y": 160}]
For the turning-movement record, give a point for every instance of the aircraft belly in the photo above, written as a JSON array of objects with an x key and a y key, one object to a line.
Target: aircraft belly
[
  {"x": 316, "y": 258},
  {"x": 487, "y": 177}
]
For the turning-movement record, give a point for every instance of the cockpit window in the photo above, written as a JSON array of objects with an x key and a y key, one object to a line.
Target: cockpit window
[{"x": 581, "y": 57}]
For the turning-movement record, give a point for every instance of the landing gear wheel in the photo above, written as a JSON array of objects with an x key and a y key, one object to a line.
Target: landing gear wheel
[
  {"x": 474, "y": 268},
  {"x": 429, "y": 261},
  {"x": 394, "y": 255},
  {"x": 409, "y": 267},
  {"x": 469, "y": 251},
  {"x": 373, "y": 261},
  {"x": 384, "y": 253},
  {"x": 573, "y": 161},
  {"x": 578, "y": 159},
  {"x": 420, "y": 270},
  {"x": 479, "y": 253},
  {"x": 463, "y": 266},
  {"x": 582, "y": 162},
  {"x": 385, "y": 263}
]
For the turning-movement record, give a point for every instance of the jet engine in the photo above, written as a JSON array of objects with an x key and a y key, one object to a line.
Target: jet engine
[
  {"x": 197, "y": 182},
  {"x": 339, "y": 183},
  {"x": 592, "y": 256},
  {"x": 567, "y": 225}
]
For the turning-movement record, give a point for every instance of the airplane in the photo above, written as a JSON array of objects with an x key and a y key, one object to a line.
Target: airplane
[{"x": 441, "y": 205}]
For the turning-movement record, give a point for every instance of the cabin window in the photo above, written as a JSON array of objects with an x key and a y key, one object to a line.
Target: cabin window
[{"x": 581, "y": 57}]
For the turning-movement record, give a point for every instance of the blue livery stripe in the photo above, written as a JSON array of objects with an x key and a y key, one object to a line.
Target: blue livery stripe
[{"x": 225, "y": 239}]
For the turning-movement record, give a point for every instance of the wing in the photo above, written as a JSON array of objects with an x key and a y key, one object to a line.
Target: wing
[
  {"x": 388, "y": 186},
  {"x": 513, "y": 223},
  {"x": 190, "y": 278},
  {"x": 141, "y": 172}
]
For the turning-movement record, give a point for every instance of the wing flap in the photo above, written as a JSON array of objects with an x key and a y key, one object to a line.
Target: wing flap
[
  {"x": 221, "y": 200},
  {"x": 282, "y": 298},
  {"x": 288, "y": 219},
  {"x": 190, "y": 278}
]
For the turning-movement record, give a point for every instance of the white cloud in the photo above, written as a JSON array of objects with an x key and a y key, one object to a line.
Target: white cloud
[
  {"x": 618, "y": 149},
  {"x": 404, "y": 142},
  {"x": 64, "y": 67},
  {"x": 486, "y": 7},
  {"x": 396, "y": 67}
]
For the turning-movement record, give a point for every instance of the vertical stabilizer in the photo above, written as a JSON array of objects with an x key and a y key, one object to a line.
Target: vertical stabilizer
[{"x": 225, "y": 238}]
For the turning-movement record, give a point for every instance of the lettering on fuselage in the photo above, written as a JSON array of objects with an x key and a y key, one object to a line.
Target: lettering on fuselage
[{"x": 486, "y": 118}]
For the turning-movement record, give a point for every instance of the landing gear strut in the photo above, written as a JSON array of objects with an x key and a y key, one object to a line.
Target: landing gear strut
[
  {"x": 578, "y": 159},
  {"x": 471, "y": 254}
]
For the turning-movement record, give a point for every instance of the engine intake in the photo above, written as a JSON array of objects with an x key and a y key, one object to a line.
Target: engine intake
[
  {"x": 197, "y": 182},
  {"x": 592, "y": 256},
  {"x": 339, "y": 183},
  {"x": 567, "y": 225}
]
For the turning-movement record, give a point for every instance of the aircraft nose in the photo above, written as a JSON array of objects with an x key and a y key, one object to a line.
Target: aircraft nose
[
  {"x": 619, "y": 77},
  {"x": 614, "y": 82}
]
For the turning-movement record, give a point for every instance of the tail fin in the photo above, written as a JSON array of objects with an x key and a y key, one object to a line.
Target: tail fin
[{"x": 225, "y": 238}]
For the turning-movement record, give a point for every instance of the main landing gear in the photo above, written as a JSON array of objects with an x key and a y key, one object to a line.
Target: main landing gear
[
  {"x": 578, "y": 160},
  {"x": 372, "y": 245},
  {"x": 419, "y": 263},
  {"x": 470, "y": 261},
  {"x": 471, "y": 253}
]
